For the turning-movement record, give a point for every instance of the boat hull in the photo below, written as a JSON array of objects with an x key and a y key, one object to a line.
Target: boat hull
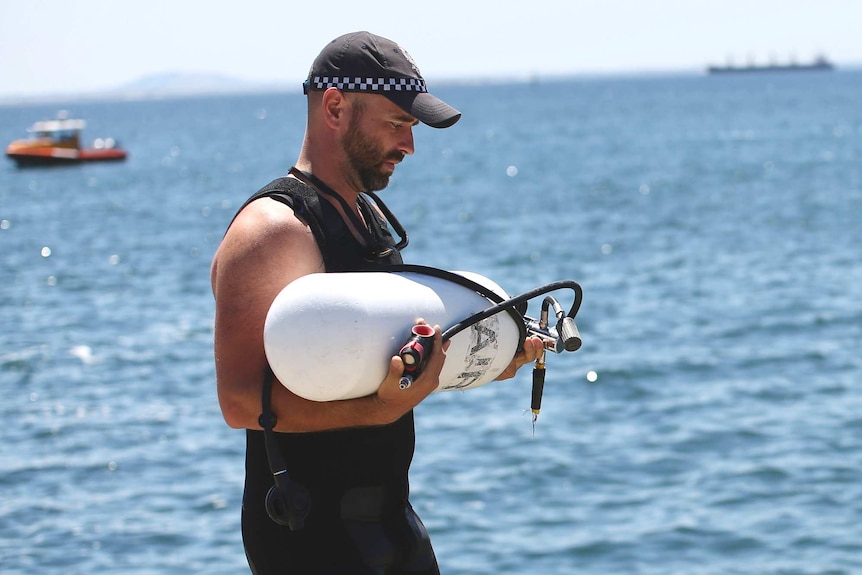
[{"x": 56, "y": 156}]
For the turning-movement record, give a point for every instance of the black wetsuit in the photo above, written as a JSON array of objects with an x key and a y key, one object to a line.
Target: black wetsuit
[{"x": 360, "y": 521}]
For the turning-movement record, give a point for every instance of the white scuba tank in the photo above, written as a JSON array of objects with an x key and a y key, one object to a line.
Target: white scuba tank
[{"x": 330, "y": 336}]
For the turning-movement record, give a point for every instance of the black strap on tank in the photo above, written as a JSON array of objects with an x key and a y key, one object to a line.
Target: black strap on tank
[
  {"x": 515, "y": 311},
  {"x": 287, "y": 501}
]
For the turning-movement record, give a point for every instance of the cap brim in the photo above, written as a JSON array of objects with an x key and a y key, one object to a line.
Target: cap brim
[{"x": 426, "y": 108}]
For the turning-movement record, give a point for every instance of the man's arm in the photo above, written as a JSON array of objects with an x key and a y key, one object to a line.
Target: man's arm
[{"x": 266, "y": 248}]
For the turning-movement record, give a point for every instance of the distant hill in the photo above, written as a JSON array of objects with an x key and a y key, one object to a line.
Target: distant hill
[
  {"x": 167, "y": 85},
  {"x": 191, "y": 83}
]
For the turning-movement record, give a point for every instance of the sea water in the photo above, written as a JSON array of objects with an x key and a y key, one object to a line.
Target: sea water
[{"x": 711, "y": 423}]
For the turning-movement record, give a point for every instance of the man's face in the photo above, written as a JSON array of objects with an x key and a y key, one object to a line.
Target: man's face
[{"x": 378, "y": 137}]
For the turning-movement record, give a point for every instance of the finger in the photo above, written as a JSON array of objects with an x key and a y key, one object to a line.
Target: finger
[
  {"x": 396, "y": 367},
  {"x": 536, "y": 347}
]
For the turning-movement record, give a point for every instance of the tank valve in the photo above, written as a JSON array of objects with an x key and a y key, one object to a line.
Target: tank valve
[{"x": 415, "y": 353}]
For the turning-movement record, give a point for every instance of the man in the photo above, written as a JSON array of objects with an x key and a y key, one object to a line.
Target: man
[{"x": 341, "y": 504}]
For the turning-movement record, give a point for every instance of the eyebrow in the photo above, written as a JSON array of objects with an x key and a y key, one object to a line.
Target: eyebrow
[{"x": 406, "y": 118}]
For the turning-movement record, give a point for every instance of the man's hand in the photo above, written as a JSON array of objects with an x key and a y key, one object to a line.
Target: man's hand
[
  {"x": 399, "y": 401},
  {"x": 533, "y": 348}
]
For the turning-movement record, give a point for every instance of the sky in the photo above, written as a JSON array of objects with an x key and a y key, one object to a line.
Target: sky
[{"x": 84, "y": 46}]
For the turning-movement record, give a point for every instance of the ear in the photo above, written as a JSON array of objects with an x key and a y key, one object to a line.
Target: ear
[{"x": 334, "y": 106}]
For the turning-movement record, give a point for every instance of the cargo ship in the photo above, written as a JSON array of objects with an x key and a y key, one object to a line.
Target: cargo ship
[{"x": 820, "y": 64}]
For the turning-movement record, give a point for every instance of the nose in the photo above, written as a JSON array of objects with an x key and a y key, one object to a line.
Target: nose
[{"x": 406, "y": 145}]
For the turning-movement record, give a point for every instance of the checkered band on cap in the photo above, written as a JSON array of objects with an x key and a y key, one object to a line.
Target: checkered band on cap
[{"x": 350, "y": 84}]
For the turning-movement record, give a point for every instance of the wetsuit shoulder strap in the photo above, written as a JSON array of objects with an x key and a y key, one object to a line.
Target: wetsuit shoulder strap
[{"x": 300, "y": 197}]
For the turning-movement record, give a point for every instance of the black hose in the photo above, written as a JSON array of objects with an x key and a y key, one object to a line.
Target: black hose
[
  {"x": 515, "y": 306},
  {"x": 512, "y": 302}
]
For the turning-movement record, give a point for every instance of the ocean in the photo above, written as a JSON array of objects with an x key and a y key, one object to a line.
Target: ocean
[{"x": 710, "y": 424}]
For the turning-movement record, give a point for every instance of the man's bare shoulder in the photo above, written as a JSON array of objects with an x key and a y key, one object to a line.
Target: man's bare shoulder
[
  {"x": 266, "y": 217},
  {"x": 267, "y": 234}
]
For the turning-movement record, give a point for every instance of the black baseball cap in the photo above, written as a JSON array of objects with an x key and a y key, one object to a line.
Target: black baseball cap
[{"x": 365, "y": 62}]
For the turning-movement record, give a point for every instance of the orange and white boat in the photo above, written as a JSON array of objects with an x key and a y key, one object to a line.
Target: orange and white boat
[{"x": 59, "y": 142}]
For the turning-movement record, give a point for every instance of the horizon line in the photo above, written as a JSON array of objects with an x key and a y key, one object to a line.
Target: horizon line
[{"x": 239, "y": 86}]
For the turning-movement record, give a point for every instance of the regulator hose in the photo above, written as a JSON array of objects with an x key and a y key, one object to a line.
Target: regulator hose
[{"x": 568, "y": 331}]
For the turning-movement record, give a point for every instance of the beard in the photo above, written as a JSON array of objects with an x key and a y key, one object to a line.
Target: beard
[{"x": 366, "y": 157}]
